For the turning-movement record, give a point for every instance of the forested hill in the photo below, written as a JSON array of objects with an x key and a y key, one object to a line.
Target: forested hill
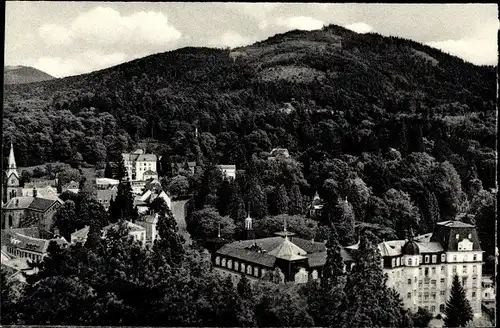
[
  {"x": 327, "y": 92},
  {"x": 24, "y": 74}
]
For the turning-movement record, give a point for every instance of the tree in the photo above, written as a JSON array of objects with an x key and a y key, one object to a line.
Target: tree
[
  {"x": 10, "y": 297},
  {"x": 430, "y": 212},
  {"x": 333, "y": 269},
  {"x": 178, "y": 186},
  {"x": 403, "y": 214},
  {"x": 244, "y": 288},
  {"x": 109, "y": 170},
  {"x": 236, "y": 205},
  {"x": 345, "y": 222},
  {"x": 458, "y": 310},
  {"x": 204, "y": 224},
  {"x": 224, "y": 194},
  {"x": 369, "y": 302},
  {"x": 280, "y": 201},
  {"x": 121, "y": 171},
  {"x": 296, "y": 204},
  {"x": 358, "y": 194},
  {"x": 64, "y": 219},
  {"x": 122, "y": 208},
  {"x": 169, "y": 244},
  {"x": 421, "y": 318}
]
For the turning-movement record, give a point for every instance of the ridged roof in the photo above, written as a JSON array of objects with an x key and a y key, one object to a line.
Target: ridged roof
[
  {"x": 18, "y": 203},
  {"x": 43, "y": 204},
  {"x": 288, "y": 251},
  {"x": 455, "y": 224}
]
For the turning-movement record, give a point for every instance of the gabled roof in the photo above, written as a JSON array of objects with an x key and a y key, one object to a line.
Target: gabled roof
[
  {"x": 389, "y": 249},
  {"x": 81, "y": 234},
  {"x": 132, "y": 157},
  {"x": 18, "y": 203},
  {"x": 43, "y": 204},
  {"x": 150, "y": 172},
  {"x": 147, "y": 158},
  {"x": 72, "y": 185}
]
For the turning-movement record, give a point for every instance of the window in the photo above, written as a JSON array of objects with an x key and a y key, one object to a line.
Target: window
[
  {"x": 409, "y": 295},
  {"x": 433, "y": 270},
  {"x": 433, "y": 296},
  {"x": 441, "y": 293},
  {"x": 419, "y": 271},
  {"x": 457, "y": 236},
  {"x": 420, "y": 259},
  {"x": 398, "y": 263},
  {"x": 427, "y": 259},
  {"x": 415, "y": 279},
  {"x": 426, "y": 271},
  {"x": 474, "y": 281},
  {"x": 419, "y": 295},
  {"x": 464, "y": 282},
  {"x": 433, "y": 308},
  {"x": 433, "y": 282},
  {"x": 409, "y": 261},
  {"x": 454, "y": 258},
  {"x": 474, "y": 269},
  {"x": 442, "y": 281},
  {"x": 454, "y": 269},
  {"x": 242, "y": 267},
  {"x": 441, "y": 308},
  {"x": 469, "y": 236},
  {"x": 434, "y": 258},
  {"x": 464, "y": 269},
  {"x": 256, "y": 272},
  {"x": 474, "y": 258},
  {"x": 420, "y": 283},
  {"x": 393, "y": 262},
  {"x": 249, "y": 269},
  {"x": 409, "y": 281},
  {"x": 217, "y": 260},
  {"x": 426, "y": 295},
  {"x": 442, "y": 269},
  {"x": 229, "y": 264},
  {"x": 473, "y": 294}
]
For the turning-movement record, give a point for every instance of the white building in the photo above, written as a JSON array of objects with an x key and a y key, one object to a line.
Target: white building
[
  {"x": 228, "y": 170},
  {"x": 421, "y": 269},
  {"x": 137, "y": 163},
  {"x": 135, "y": 230}
]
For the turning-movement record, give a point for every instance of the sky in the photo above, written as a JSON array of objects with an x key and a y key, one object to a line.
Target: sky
[{"x": 69, "y": 38}]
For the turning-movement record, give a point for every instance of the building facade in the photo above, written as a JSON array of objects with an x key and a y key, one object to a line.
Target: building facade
[
  {"x": 228, "y": 171},
  {"x": 12, "y": 177},
  {"x": 137, "y": 163},
  {"x": 421, "y": 269}
]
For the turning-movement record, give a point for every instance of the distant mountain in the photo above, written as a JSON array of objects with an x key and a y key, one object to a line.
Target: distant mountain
[{"x": 24, "y": 74}]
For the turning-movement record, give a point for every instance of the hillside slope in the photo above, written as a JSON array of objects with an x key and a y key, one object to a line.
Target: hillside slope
[
  {"x": 367, "y": 81},
  {"x": 24, "y": 74}
]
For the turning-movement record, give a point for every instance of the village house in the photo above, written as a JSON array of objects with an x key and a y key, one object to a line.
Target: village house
[
  {"x": 228, "y": 171},
  {"x": 105, "y": 196},
  {"x": 137, "y": 232},
  {"x": 137, "y": 163},
  {"x": 80, "y": 236},
  {"x": 72, "y": 186},
  {"x": 149, "y": 222},
  {"x": 278, "y": 153},
  {"x": 316, "y": 207}
]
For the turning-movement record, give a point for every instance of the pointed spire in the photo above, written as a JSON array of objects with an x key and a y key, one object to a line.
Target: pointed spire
[{"x": 12, "y": 159}]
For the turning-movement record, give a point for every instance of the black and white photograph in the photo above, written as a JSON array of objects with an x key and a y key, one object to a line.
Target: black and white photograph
[{"x": 230, "y": 164}]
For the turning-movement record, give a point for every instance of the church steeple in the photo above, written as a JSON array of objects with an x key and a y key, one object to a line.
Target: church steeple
[
  {"x": 12, "y": 168},
  {"x": 12, "y": 159}
]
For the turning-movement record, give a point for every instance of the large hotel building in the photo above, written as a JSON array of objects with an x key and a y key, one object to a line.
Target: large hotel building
[{"x": 420, "y": 268}]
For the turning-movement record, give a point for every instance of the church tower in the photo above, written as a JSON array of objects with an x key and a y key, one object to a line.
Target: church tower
[{"x": 12, "y": 176}]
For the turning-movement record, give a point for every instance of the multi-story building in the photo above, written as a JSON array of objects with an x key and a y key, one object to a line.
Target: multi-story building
[
  {"x": 421, "y": 269},
  {"x": 137, "y": 232},
  {"x": 228, "y": 171},
  {"x": 137, "y": 163}
]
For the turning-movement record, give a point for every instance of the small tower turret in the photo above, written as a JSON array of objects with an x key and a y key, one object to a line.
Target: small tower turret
[{"x": 12, "y": 176}]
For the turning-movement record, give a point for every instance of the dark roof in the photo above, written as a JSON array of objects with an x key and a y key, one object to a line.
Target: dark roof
[
  {"x": 150, "y": 172},
  {"x": 445, "y": 233},
  {"x": 72, "y": 185},
  {"x": 247, "y": 255},
  {"x": 42, "y": 204},
  {"x": 410, "y": 248}
]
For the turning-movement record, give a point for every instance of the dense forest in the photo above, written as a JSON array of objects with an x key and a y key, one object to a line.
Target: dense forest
[{"x": 393, "y": 135}]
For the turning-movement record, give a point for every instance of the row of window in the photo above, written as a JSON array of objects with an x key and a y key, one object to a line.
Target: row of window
[
  {"x": 240, "y": 266},
  {"x": 427, "y": 259},
  {"x": 20, "y": 253},
  {"x": 454, "y": 270}
]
